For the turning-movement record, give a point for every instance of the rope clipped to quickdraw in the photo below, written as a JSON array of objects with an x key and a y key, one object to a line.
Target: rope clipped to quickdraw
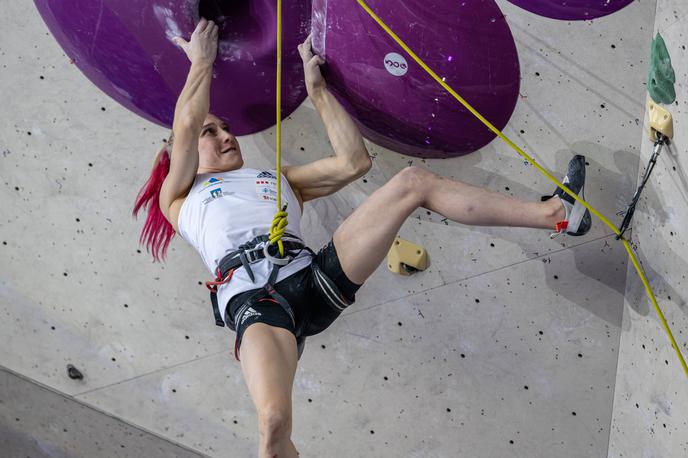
[
  {"x": 523, "y": 154},
  {"x": 279, "y": 221}
]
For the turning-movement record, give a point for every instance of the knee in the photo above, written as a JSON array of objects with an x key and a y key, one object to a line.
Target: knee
[
  {"x": 413, "y": 180},
  {"x": 274, "y": 426}
]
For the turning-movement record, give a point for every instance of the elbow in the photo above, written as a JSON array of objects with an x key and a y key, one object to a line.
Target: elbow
[
  {"x": 363, "y": 166},
  {"x": 185, "y": 120}
]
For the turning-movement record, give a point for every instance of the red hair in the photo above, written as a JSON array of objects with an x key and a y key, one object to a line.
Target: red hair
[{"x": 157, "y": 232}]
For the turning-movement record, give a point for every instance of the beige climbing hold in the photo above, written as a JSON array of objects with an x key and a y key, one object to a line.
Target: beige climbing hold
[
  {"x": 405, "y": 258},
  {"x": 660, "y": 121}
]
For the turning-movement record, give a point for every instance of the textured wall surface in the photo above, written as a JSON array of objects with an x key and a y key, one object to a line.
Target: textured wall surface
[
  {"x": 651, "y": 397},
  {"x": 507, "y": 346},
  {"x": 38, "y": 422}
]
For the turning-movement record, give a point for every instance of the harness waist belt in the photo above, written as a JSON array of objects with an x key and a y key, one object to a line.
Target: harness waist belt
[{"x": 247, "y": 254}]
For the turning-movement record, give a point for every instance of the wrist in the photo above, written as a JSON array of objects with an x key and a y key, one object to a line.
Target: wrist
[
  {"x": 202, "y": 65},
  {"x": 317, "y": 94}
]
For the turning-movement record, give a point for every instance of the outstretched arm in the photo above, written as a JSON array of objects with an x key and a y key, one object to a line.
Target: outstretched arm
[
  {"x": 190, "y": 112},
  {"x": 350, "y": 161}
]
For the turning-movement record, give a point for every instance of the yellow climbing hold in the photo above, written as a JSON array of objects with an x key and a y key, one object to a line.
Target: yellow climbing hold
[
  {"x": 660, "y": 121},
  {"x": 405, "y": 258}
]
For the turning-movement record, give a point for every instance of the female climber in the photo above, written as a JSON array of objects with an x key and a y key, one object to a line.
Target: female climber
[{"x": 199, "y": 189}]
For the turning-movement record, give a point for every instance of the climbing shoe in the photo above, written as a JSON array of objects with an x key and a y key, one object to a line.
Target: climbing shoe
[{"x": 577, "y": 221}]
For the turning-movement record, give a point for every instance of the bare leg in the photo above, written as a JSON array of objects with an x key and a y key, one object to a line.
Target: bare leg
[
  {"x": 268, "y": 360},
  {"x": 364, "y": 238}
]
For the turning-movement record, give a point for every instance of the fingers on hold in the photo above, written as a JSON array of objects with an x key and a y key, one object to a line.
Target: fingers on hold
[
  {"x": 306, "y": 51},
  {"x": 205, "y": 25}
]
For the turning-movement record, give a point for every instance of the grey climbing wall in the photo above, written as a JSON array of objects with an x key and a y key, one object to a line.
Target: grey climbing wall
[
  {"x": 651, "y": 397},
  {"x": 38, "y": 422},
  {"x": 507, "y": 346}
]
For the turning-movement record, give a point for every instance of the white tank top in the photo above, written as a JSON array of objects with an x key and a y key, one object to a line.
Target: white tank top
[{"x": 224, "y": 210}]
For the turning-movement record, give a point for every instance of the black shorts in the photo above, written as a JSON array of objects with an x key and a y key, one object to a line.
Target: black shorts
[{"x": 312, "y": 313}]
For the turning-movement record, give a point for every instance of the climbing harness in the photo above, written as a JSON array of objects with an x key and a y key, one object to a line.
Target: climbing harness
[
  {"x": 255, "y": 251},
  {"x": 523, "y": 154},
  {"x": 247, "y": 254}
]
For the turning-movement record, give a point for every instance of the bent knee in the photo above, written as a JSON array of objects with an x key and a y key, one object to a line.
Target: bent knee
[{"x": 412, "y": 180}]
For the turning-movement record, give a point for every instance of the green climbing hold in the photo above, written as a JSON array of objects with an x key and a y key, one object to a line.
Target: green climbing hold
[{"x": 661, "y": 77}]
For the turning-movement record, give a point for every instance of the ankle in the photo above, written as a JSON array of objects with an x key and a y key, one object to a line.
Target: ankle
[{"x": 556, "y": 210}]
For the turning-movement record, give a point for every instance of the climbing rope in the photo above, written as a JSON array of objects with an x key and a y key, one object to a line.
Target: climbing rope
[
  {"x": 279, "y": 221},
  {"x": 497, "y": 132}
]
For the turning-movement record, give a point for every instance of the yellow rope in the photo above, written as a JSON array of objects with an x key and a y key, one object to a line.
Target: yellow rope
[
  {"x": 279, "y": 221},
  {"x": 542, "y": 170}
]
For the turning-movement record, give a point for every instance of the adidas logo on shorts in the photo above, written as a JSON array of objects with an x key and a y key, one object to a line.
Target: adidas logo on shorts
[{"x": 249, "y": 313}]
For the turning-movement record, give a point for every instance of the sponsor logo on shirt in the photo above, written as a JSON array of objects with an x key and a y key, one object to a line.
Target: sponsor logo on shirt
[
  {"x": 212, "y": 181},
  {"x": 216, "y": 194},
  {"x": 266, "y": 174},
  {"x": 266, "y": 186}
]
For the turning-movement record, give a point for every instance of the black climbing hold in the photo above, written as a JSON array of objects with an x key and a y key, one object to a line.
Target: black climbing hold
[{"x": 74, "y": 373}]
